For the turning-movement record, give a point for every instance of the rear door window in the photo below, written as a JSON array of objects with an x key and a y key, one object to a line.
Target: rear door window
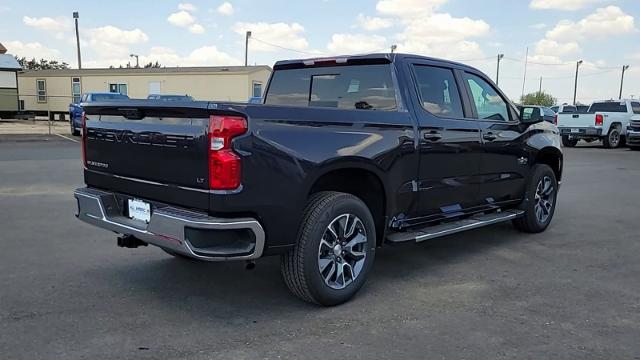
[
  {"x": 438, "y": 91},
  {"x": 361, "y": 87}
]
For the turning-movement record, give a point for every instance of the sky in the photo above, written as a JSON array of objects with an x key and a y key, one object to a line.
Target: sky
[{"x": 604, "y": 34}]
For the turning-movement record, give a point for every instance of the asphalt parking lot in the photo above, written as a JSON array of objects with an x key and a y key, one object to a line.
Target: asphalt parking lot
[{"x": 573, "y": 292}]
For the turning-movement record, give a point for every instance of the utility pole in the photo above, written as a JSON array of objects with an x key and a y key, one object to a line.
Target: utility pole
[
  {"x": 540, "y": 90},
  {"x": 137, "y": 60},
  {"x": 394, "y": 47},
  {"x": 246, "y": 47},
  {"x": 575, "y": 87},
  {"x": 500, "y": 56},
  {"x": 75, "y": 17},
  {"x": 624, "y": 68},
  {"x": 524, "y": 78}
]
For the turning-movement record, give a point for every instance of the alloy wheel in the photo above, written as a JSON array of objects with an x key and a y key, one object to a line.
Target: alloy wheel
[
  {"x": 342, "y": 251},
  {"x": 614, "y": 138},
  {"x": 544, "y": 199}
]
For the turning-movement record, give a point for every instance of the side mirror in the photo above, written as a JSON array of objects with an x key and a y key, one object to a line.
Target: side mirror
[{"x": 530, "y": 115}]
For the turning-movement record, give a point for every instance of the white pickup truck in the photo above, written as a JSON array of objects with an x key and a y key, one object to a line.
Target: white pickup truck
[{"x": 606, "y": 120}]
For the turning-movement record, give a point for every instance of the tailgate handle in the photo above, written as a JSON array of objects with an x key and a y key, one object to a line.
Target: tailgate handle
[
  {"x": 575, "y": 116},
  {"x": 132, "y": 114}
]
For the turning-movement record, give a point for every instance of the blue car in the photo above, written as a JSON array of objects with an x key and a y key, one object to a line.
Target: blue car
[{"x": 76, "y": 110}]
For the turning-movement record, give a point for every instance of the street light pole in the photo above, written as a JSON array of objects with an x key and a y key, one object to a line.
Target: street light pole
[
  {"x": 500, "y": 56},
  {"x": 575, "y": 86},
  {"x": 246, "y": 47},
  {"x": 75, "y": 17},
  {"x": 624, "y": 68},
  {"x": 137, "y": 60}
]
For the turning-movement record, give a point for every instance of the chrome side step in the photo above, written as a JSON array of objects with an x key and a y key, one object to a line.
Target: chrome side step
[{"x": 474, "y": 222}]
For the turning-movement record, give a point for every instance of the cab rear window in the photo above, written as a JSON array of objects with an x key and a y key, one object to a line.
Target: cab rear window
[
  {"x": 357, "y": 87},
  {"x": 609, "y": 106}
]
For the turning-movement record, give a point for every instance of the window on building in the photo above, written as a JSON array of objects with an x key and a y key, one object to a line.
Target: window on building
[
  {"x": 257, "y": 90},
  {"x": 76, "y": 89},
  {"x": 119, "y": 88},
  {"x": 438, "y": 91},
  {"x": 41, "y": 89},
  {"x": 488, "y": 102}
]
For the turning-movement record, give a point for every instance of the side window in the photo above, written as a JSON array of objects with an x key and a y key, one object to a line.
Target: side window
[
  {"x": 438, "y": 91},
  {"x": 489, "y": 104},
  {"x": 548, "y": 112},
  {"x": 636, "y": 107}
]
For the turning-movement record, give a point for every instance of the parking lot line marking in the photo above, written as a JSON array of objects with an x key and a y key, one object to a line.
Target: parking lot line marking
[{"x": 68, "y": 138}]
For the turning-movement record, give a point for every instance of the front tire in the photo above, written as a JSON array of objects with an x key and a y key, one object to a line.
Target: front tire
[
  {"x": 335, "y": 249},
  {"x": 613, "y": 139},
  {"x": 540, "y": 201},
  {"x": 569, "y": 142}
]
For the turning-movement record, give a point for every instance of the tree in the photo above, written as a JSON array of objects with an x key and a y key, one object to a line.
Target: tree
[
  {"x": 41, "y": 64},
  {"x": 152, "y": 65},
  {"x": 538, "y": 98}
]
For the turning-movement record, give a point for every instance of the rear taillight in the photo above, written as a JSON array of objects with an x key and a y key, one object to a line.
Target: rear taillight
[
  {"x": 224, "y": 164},
  {"x": 599, "y": 119},
  {"x": 555, "y": 119},
  {"x": 84, "y": 139}
]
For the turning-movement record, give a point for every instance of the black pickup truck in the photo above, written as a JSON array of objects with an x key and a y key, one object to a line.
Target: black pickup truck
[{"x": 344, "y": 155}]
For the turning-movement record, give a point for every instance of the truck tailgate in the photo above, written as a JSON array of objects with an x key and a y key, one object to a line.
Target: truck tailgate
[
  {"x": 576, "y": 120},
  {"x": 148, "y": 150}
]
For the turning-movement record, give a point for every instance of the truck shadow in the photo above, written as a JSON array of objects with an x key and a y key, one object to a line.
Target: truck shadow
[{"x": 227, "y": 292}]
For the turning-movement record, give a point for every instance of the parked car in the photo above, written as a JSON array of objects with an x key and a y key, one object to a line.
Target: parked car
[
  {"x": 170, "y": 97},
  {"x": 633, "y": 130},
  {"x": 346, "y": 154},
  {"x": 528, "y": 111},
  {"x": 76, "y": 110},
  {"x": 605, "y": 120},
  {"x": 564, "y": 108}
]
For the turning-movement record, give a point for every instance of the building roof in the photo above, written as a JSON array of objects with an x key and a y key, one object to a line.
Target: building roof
[
  {"x": 146, "y": 71},
  {"x": 8, "y": 62}
]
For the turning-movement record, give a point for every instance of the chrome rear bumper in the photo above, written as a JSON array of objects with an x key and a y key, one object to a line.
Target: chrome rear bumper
[{"x": 166, "y": 227}]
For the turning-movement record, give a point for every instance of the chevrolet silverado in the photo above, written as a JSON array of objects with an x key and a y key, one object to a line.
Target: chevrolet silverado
[{"x": 343, "y": 156}]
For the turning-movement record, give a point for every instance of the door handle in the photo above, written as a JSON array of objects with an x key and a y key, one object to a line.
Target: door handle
[
  {"x": 432, "y": 136},
  {"x": 489, "y": 136}
]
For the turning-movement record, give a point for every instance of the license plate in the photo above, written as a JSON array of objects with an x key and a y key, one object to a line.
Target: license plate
[
  {"x": 139, "y": 210},
  {"x": 575, "y": 130}
]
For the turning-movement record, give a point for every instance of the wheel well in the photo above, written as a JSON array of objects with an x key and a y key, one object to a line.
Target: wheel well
[
  {"x": 553, "y": 158},
  {"x": 361, "y": 183}
]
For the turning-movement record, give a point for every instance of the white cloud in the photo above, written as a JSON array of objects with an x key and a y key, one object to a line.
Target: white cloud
[
  {"x": 554, "y": 48},
  {"x": 196, "y": 29},
  {"x": 347, "y": 44},
  {"x": 566, "y": 5},
  {"x": 443, "y": 28},
  {"x": 181, "y": 18},
  {"x": 281, "y": 34},
  {"x": 4, "y": 9},
  {"x": 604, "y": 22},
  {"x": 187, "y": 7},
  {"x": 225, "y": 9},
  {"x": 184, "y": 19},
  {"x": 110, "y": 41},
  {"x": 47, "y": 23},
  {"x": 408, "y": 8},
  {"x": 538, "y": 26},
  {"x": 32, "y": 50},
  {"x": 370, "y": 23}
]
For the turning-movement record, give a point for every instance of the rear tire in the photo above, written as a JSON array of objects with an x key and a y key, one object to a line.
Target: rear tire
[
  {"x": 540, "y": 201},
  {"x": 335, "y": 249},
  {"x": 569, "y": 142},
  {"x": 613, "y": 139}
]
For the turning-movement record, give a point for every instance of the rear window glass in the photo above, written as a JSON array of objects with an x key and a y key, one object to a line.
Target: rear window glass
[
  {"x": 365, "y": 87},
  {"x": 438, "y": 91},
  {"x": 569, "y": 109},
  {"x": 107, "y": 97},
  {"x": 609, "y": 106}
]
